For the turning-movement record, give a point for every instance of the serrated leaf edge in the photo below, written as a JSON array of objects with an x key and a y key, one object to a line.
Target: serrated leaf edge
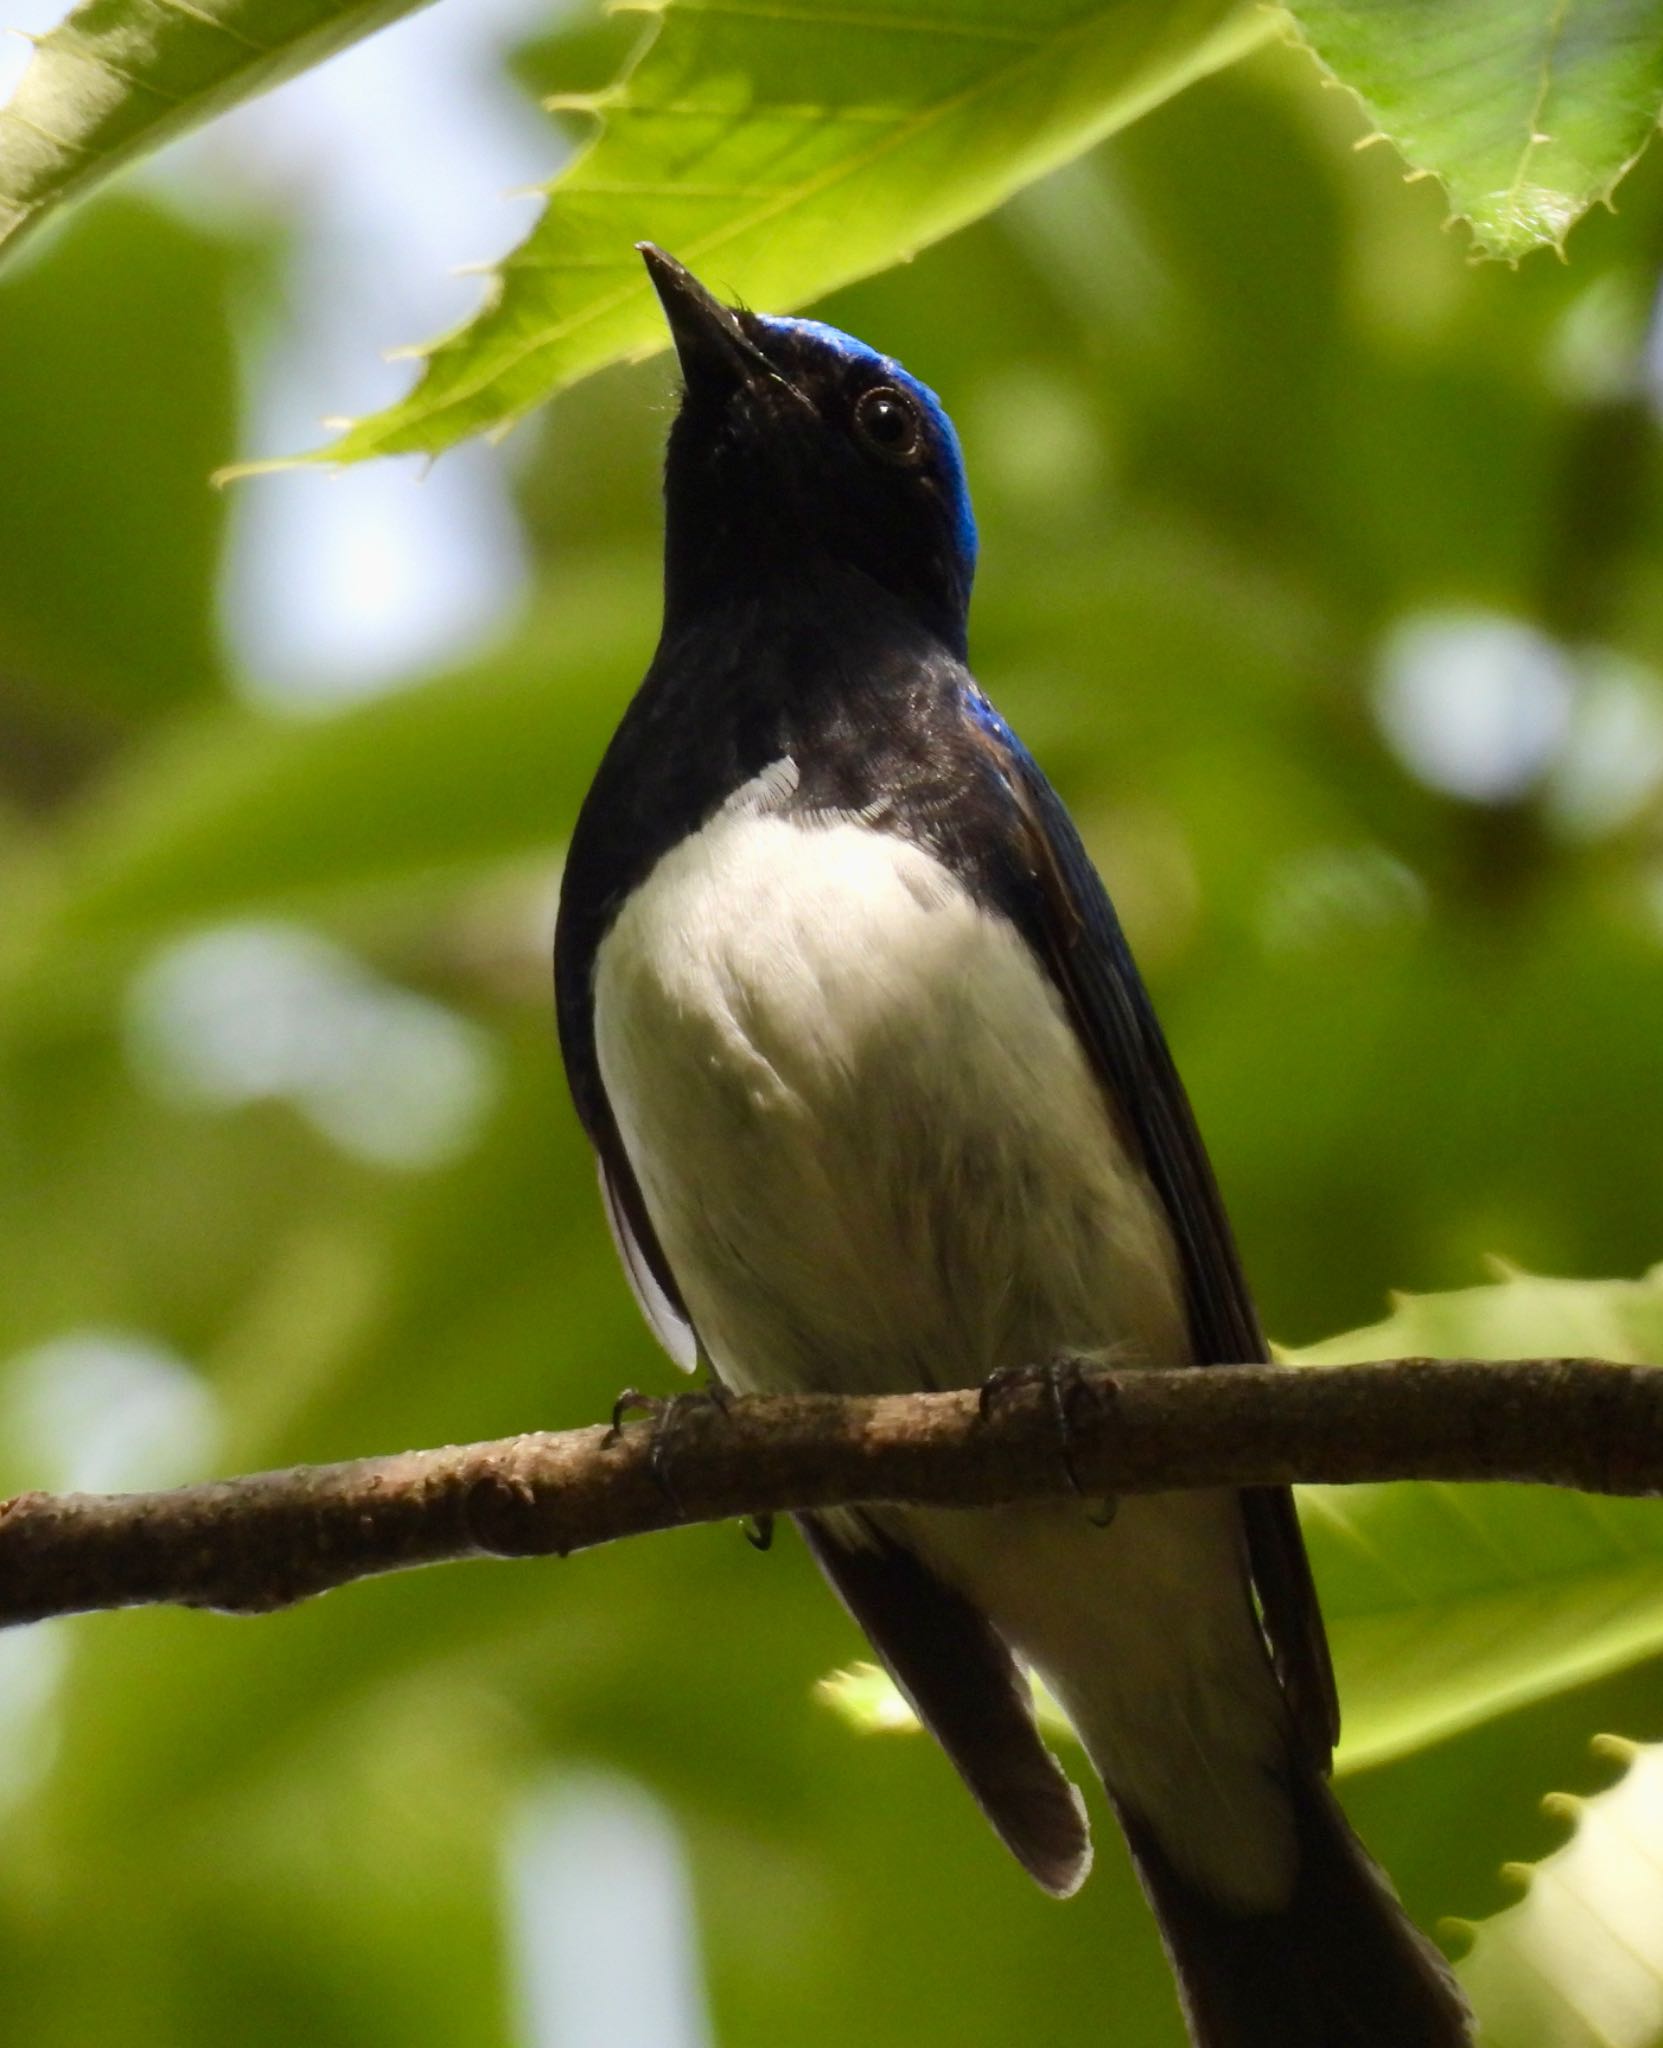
[{"x": 1484, "y": 249}]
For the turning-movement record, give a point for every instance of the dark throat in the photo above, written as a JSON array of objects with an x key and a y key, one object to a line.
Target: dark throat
[{"x": 796, "y": 558}]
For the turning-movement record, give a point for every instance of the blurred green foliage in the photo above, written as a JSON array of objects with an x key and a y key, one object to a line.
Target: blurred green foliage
[{"x": 1238, "y": 417}]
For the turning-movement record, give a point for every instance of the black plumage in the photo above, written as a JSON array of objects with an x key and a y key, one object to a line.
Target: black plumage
[{"x": 819, "y": 560}]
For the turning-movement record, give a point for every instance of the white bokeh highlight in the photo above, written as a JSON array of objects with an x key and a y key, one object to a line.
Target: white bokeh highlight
[
  {"x": 394, "y": 164},
  {"x": 104, "y": 1411},
  {"x": 1610, "y": 767},
  {"x": 1473, "y": 703},
  {"x": 604, "y": 1946},
  {"x": 91, "y": 1410},
  {"x": 270, "y": 1012}
]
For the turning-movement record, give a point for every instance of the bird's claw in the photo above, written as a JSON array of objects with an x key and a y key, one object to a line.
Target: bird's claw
[
  {"x": 1003, "y": 1380},
  {"x": 632, "y": 1399},
  {"x": 669, "y": 1412},
  {"x": 1065, "y": 1388},
  {"x": 665, "y": 1411}
]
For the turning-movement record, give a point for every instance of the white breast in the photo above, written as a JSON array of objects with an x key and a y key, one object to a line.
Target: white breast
[
  {"x": 870, "y": 1144},
  {"x": 877, "y": 1158}
]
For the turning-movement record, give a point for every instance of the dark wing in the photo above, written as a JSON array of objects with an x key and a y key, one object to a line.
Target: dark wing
[
  {"x": 1064, "y": 912},
  {"x": 965, "y": 1687},
  {"x": 641, "y": 1259}
]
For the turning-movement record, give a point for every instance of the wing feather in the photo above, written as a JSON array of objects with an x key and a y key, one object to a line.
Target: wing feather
[
  {"x": 1065, "y": 913},
  {"x": 966, "y": 1688},
  {"x": 665, "y": 1316}
]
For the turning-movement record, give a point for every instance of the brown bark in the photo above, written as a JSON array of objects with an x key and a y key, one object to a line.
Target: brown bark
[{"x": 250, "y": 1545}]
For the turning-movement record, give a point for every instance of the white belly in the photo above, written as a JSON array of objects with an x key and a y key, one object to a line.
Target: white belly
[
  {"x": 869, "y": 1142},
  {"x": 876, "y": 1158}
]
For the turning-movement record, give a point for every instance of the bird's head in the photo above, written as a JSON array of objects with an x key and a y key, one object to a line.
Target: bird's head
[{"x": 798, "y": 450}]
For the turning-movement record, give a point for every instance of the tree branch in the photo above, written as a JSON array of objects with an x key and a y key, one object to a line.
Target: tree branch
[{"x": 250, "y": 1545}]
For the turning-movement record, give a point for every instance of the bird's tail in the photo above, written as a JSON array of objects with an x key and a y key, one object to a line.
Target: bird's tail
[{"x": 1340, "y": 1966}]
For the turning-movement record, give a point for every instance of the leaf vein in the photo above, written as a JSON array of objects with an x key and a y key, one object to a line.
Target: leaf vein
[
  {"x": 23, "y": 120},
  {"x": 206, "y": 20},
  {"x": 786, "y": 197},
  {"x": 93, "y": 55},
  {"x": 839, "y": 17},
  {"x": 793, "y": 109},
  {"x": 1534, "y": 137}
]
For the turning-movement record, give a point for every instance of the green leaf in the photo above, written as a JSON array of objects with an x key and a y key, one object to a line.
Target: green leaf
[
  {"x": 785, "y": 149},
  {"x": 1447, "y": 1604},
  {"x": 1578, "y": 1962},
  {"x": 117, "y": 78},
  {"x": 1526, "y": 110},
  {"x": 864, "y": 1695}
]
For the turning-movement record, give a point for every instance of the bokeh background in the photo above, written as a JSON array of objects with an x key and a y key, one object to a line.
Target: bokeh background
[{"x": 1322, "y": 572}]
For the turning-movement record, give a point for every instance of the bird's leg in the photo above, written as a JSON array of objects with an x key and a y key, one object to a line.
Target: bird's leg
[
  {"x": 757, "y": 1530},
  {"x": 1063, "y": 1380},
  {"x": 668, "y": 1413},
  {"x": 716, "y": 1389}
]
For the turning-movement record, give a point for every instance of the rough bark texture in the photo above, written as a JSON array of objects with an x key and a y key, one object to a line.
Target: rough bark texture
[{"x": 250, "y": 1545}]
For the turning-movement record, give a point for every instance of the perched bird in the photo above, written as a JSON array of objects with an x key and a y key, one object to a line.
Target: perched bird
[{"x": 880, "y": 1103}]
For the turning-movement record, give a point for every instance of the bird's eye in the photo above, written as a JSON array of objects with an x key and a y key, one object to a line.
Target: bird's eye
[{"x": 887, "y": 421}]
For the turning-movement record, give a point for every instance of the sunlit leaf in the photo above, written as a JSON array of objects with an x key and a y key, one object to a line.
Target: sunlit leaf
[
  {"x": 1446, "y": 1604},
  {"x": 1578, "y": 1962},
  {"x": 117, "y": 78},
  {"x": 782, "y": 151},
  {"x": 1527, "y": 110},
  {"x": 862, "y": 1695}
]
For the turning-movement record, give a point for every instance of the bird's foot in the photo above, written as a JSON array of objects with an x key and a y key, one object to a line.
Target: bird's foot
[
  {"x": 1065, "y": 1387},
  {"x": 757, "y": 1530},
  {"x": 669, "y": 1413},
  {"x": 632, "y": 1401}
]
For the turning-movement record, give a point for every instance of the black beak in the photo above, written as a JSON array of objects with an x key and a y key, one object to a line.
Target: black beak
[{"x": 715, "y": 351}]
